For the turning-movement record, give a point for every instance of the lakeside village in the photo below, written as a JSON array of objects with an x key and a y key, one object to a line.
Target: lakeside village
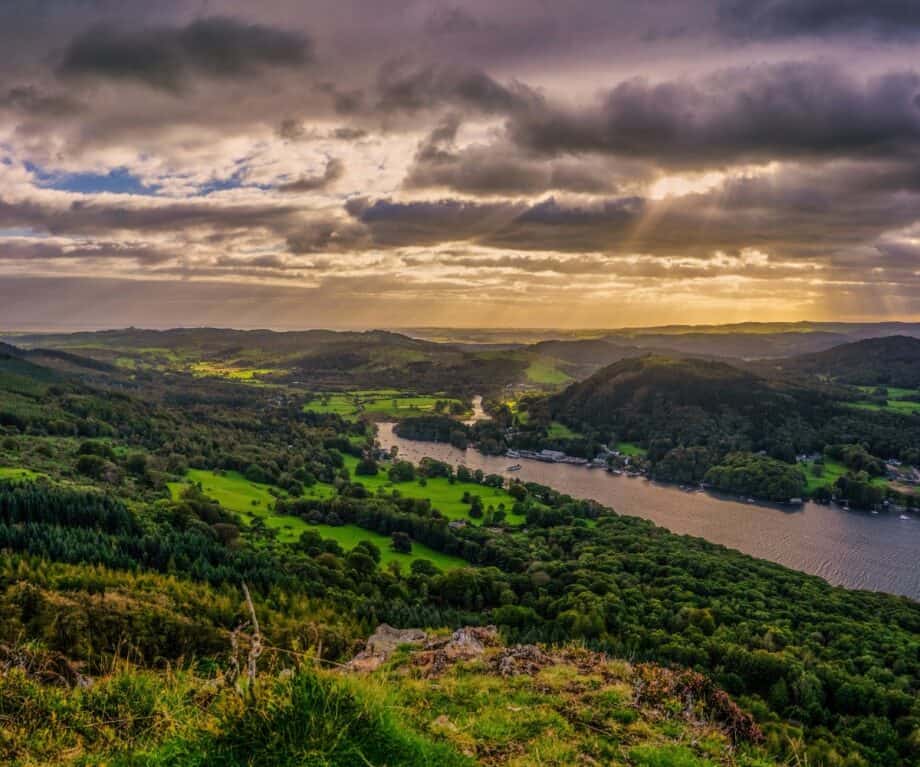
[{"x": 617, "y": 463}]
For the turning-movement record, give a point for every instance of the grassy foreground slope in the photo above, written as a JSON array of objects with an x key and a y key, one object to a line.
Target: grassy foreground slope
[{"x": 510, "y": 707}]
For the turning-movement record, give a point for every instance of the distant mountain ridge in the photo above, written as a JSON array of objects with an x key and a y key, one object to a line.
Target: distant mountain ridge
[{"x": 888, "y": 361}]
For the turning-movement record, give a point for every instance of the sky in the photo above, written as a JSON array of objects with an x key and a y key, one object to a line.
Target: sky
[{"x": 398, "y": 163}]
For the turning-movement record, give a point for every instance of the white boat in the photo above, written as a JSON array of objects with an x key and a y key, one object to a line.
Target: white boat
[{"x": 903, "y": 516}]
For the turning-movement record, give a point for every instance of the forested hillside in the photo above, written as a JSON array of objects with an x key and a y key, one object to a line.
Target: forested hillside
[
  {"x": 130, "y": 518},
  {"x": 889, "y": 361}
]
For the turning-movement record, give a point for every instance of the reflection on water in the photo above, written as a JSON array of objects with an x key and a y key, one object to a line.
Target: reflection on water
[{"x": 878, "y": 552}]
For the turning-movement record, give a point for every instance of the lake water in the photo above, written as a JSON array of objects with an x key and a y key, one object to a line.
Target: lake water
[{"x": 847, "y": 548}]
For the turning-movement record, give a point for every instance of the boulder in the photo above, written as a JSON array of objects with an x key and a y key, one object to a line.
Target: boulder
[{"x": 382, "y": 644}]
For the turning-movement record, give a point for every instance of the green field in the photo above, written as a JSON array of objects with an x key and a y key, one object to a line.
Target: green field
[
  {"x": 896, "y": 401},
  {"x": 349, "y": 536},
  {"x": 893, "y": 406},
  {"x": 832, "y": 472},
  {"x": 558, "y": 430},
  {"x": 251, "y": 500},
  {"x": 545, "y": 371},
  {"x": 231, "y": 372},
  {"x": 339, "y": 404},
  {"x": 14, "y": 472},
  {"x": 631, "y": 449},
  {"x": 444, "y": 496},
  {"x": 380, "y": 404}
]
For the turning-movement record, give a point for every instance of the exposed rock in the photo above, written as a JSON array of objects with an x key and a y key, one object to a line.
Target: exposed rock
[
  {"x": 382, "y": 644},
  {"x": 464, "y": 644},
  {"x": 520, "y": 659},
  {"x": 698, "y": 694},
  {"x": 470, "y": 639}
]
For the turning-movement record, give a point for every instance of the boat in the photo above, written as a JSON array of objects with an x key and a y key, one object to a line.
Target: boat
[
  {"x": 903, "y": 516},
  {"x": 516, "y": 467},
  {"x": 513, "y": 454}
]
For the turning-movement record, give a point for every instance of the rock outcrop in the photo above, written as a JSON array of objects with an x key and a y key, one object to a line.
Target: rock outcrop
[{"x": 382, "y": 644}]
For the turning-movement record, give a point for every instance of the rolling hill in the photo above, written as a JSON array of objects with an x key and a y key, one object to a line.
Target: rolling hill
[
  {"x": 888, "y": 361},
  {"x": 667, "y": 403}
]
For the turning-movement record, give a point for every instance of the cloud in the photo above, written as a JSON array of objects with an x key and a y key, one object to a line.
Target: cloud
[
  {"x": 98, "y": 218},
  {"x": 499, "y": 168},
  {"x": 32, "y": 101},
  {"x": 401, "y": 87},
  {"x": 328, "y": 234},
  {"x": 503, "y": 151},
  {"x": 804, "y": 212},
  {"x": 334, "y": 170},
  {"x": 167, "y": 58},
  {"x": 766, "y": 19},
  {"x": 36, "y": 251},
  {"x": 795, "y": 109}
]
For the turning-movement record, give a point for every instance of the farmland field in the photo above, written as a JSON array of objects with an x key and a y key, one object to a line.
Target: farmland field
[
  {"x": 832, "y": 471},
  {"x": 11, "y": 472},
  {"x": 558, "y": 430},
  {"x": 243, "y": 374},
  {"x": 444, "y": 496},
  {"x": 349, "y": 536},
  {"x": 893, "y": 406},
  {"x": 252, "y": 500},
  {"x": 897, "y": 402},
  {"x": 380, "y": 404},
  {"x": 544, "y": 371}
]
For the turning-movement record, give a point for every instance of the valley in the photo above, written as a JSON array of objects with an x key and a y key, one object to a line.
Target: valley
[{"x": 354, "y": 480}]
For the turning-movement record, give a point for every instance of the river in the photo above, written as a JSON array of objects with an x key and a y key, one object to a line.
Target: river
[{"x": 847, "y": 548}]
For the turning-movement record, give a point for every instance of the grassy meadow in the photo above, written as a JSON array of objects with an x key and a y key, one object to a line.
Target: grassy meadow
[
  {"x": 379, "y": 404},
  {"x": 252, "y": 501},
  {"x": 14, "y": 472},
  {"x": 897, "y": 401},
  {"x": 631, "y": 449},
  {"x": 444, "y": 496},
  {"x": 545, "y": 371}
]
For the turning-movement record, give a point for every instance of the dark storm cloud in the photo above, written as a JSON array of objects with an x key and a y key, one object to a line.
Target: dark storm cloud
[
  {"x": 764, "y": 113},
  {"x": 334, "y": 170},
  {"x": 95, "y": 218},
  {"x": 792, "y": 18},
  {"x": 43, "y": 251},
  {"x": 804, "y": 212},
  {"x": 328, "y": 234},
  {"x": 401, "y": 87},
  {"x": 401, "y": 224},
  {"x": 33, "y": 101},
  {"x": 547, "y": 225},
  {"x": 167, "y": 57},
  {"x": 499, "y": 169}
]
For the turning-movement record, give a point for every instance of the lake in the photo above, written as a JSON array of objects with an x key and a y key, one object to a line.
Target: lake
[{"x": 847, "y": 548}]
